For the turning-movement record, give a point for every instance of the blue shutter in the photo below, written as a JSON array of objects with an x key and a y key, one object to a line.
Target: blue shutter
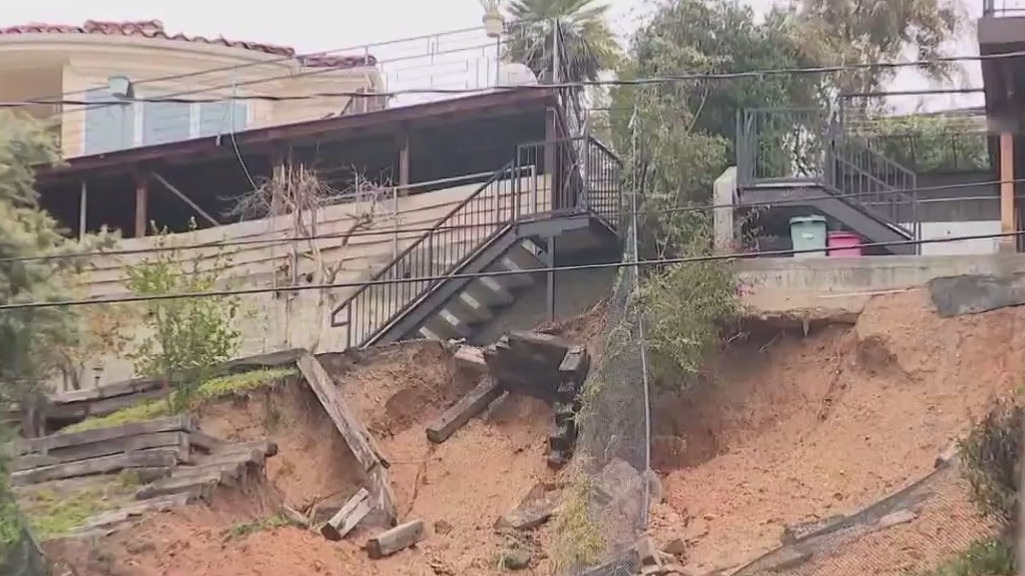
[
  {"x": 164, "y": 122},
  {"x": 222, "y": 118},
  {"x": 108, "y": 127}
]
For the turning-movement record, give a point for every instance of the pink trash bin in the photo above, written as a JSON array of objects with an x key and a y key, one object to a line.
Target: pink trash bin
[{"x": 844, "y": 244}]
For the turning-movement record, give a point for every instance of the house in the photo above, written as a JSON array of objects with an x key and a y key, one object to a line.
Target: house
[
  {"x": 497, "y": 181},
  {"x": 84, "y": 63}
]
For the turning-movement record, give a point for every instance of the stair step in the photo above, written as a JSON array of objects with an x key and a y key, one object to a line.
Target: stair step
[
  {"x": 439, "y": 328},
  {"x": 489, "y": 293},
  {"x": 466, "y": 313},
  {"x": 477, "y": 309}
]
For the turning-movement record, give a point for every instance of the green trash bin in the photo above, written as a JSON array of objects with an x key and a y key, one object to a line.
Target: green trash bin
[{"x": 808, "y": 233}]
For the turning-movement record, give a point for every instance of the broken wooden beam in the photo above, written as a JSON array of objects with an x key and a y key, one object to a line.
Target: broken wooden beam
[
  {"x": 352, "y": 431},
  {"x": 355, "y": 435},
  {"x": 460, "y": 413},
  {"x": 45, "y": 444},
  {"x": 354, "y": 510},
  {"x": 98, "y": 449},
  {"x": 155, "y": 458},
  {"x": 398, "y": 538}
]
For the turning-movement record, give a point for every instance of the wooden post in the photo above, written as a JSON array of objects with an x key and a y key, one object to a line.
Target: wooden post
[
  {"x": 354, "y": 510},
  {"x": 398, "y": 538},
  {"x": 141, "y": 201},
  {"x": 1008, "y": 220},
  {"x": 404, "y": 162},
  {"x": 82, "y": 205}
]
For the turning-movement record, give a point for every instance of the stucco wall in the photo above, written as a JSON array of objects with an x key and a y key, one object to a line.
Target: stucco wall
[{"x": 822, "y": 287}]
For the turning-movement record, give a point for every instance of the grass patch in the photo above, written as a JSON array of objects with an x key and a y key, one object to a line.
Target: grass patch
[
  {"x": 211, "y": 390},
  {"x": 579, "y": 541},
  {"x": 991, "y": 557},
  {"x": 269, "y": 523},
  {"x": 51, "y": 514}
]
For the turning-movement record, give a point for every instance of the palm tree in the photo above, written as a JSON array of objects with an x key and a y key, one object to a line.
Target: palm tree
[{"x": 586, "y": 44}]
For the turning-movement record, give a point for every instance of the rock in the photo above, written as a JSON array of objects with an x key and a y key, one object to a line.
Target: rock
[
  {"x": 946, "y": 456},
  {"x": 534, "y": 510},
  {"x": 677, "y": 547},
  {"x": 656, "y": 493},
  {"x": 442, "y": 528},
  {"x": 648, "y": 552},
  {"x": 616, "y": 480},
  {"x": 518, "y": 559}
]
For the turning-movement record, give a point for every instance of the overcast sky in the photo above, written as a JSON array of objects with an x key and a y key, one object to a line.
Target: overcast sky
[{"x": 316, "y": 25}]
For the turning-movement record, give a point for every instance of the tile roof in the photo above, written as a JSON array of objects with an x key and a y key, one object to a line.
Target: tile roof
[{"x": 155, "y": 29}]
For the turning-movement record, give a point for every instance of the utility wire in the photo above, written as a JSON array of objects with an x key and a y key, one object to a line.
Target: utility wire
[
  {"x": 706, "y": 76},
  {"x": 490, "y": 273},
  {"x": 445, "y": 228}
]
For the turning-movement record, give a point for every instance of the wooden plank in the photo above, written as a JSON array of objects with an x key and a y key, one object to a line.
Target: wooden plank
[
  {"x": 104, "y": 465},
  {"x": 98, "y": 449},
  {"x": 351, "y": 429},
  {"x": 61, "y": 440},
  {"x": 102, "y": 406},
  {"x": 461, "y": 412},
  {"x": 354, "y": 510},
  {"x": 398, "y": 538},
  {"x": 268, "y": 360},
  {"x": 127, "y": 387},
  {"x": 201, "y": 486},
  {"x": 204, "y": 442}
]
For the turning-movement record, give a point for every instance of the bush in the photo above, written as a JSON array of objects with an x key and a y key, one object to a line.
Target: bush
[{"x": 990, "y": 456}]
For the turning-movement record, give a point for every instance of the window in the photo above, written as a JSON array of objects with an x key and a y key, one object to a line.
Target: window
[
  {"x": 119, "y": 126},
  {"x": 108, "y": 126}
]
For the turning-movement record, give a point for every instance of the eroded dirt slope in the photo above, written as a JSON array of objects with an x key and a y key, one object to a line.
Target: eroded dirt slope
[
  {"x": 798, "y": 428},
  {"x": 459, "y": 488}
]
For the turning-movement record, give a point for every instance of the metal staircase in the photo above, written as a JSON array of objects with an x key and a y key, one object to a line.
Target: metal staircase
[
  {"x": 804, "y": 158},
  {"x": 551, "y": 189}
]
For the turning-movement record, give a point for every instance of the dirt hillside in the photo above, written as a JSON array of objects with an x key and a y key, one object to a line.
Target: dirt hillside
[
  {"x": 797, "y": 428},
  {"x": 459, "y": 488}
]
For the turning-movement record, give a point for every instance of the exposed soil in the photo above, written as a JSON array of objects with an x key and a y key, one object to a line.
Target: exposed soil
[
  {"x": 798, "y": 428},
  {"x": 459, "y": 488}
]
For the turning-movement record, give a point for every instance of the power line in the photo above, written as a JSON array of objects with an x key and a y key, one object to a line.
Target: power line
[
  {"x": 695, "y": 77},
  {"x": 443, "y": 228},
  {"x": 491, "y": 273}
]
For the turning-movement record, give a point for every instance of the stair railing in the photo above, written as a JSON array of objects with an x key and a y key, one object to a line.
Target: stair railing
[
  {"x": 778, "y": 146},
  {"x": 876, "y": 183},
  {"x": 479, "y": 217}
]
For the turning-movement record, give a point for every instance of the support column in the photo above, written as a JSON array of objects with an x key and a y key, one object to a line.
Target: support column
[
  {"x": 403, "y": 142},
  {"x": 555, "y": 192},
  {"x": 83, "y": 201},
  {"x": 141, "y": 203},
  {"x": 1008, "y": 212},
  {"x": 550, "y": 278}
]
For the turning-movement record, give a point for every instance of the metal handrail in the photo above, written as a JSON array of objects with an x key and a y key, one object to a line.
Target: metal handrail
[{"x": 398, "y": 265}]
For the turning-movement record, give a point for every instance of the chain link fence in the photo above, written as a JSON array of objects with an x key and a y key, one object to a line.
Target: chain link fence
[{"x": 613, "y": 445}]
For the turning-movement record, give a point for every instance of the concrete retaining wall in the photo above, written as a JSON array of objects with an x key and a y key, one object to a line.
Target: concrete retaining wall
[{"x": 819, "y": 287}]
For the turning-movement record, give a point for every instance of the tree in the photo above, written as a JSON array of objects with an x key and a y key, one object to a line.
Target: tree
[
  {"x": 587, "y": 46},
  {"x": 189, "y": 337},
  {"x": 870, "y": 32},
  {"x": 28, "y": 336}
]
